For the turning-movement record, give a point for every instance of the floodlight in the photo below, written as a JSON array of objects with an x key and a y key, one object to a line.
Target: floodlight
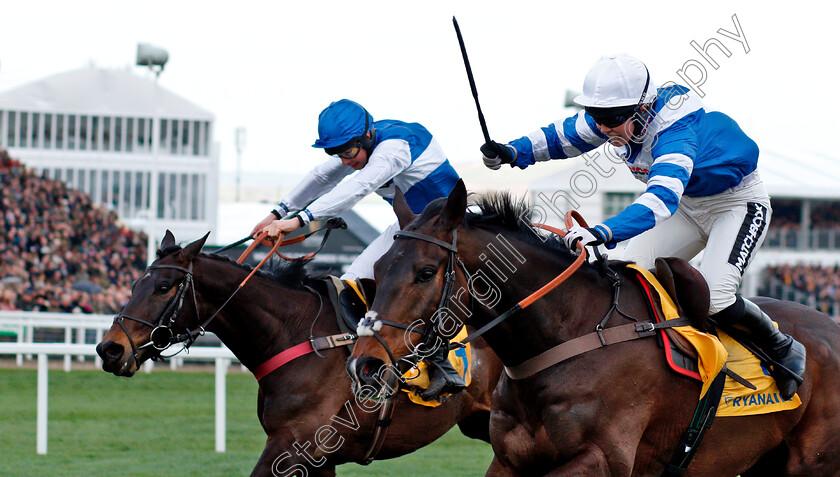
[{"x": 152, "y": 56}]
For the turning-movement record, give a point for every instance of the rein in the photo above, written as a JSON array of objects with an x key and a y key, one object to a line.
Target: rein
[{"x": 173, "y": 308}]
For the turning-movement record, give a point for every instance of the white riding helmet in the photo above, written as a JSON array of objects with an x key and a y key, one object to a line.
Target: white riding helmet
[{"x": 615, "y": 81}]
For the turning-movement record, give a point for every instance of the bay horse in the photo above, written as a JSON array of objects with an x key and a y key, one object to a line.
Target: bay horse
[
  {"x": 312, "y": 420},
  {"x": 615, "y": 411}
]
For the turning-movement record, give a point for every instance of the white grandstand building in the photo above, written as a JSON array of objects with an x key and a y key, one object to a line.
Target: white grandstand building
[{"x": 133, "y": 146}]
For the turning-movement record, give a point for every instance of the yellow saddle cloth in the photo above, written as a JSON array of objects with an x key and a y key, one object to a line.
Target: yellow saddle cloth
[
  {"x": 714, "y": 352},
  {"x": 418, "y": 376}
]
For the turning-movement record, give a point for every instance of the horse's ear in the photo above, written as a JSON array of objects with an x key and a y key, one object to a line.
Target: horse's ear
[
  {"x": 456, "y": 206},
  {"x": 168, "y": 240},
  {"x": 191, "y": 250},
  {"x": 401, "y": 208}
]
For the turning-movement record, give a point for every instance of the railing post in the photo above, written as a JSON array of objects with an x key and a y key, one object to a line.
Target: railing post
[
  {"x": 68, "y": 339},
  {"x": 20, "y": 339},
  {"x": 43, "y": 383},
  {"x": 221, "y": 391}
]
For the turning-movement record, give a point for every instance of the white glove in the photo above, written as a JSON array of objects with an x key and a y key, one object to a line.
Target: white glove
[
  {"x": 588, "y": 236},
  {"x": 495, "y": 154},
  {"x": 492, "y": 162}
]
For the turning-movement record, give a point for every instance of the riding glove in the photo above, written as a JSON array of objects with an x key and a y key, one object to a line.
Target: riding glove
[
  {"x": 495, "y": 154},
  {"x": 589, "y": 236}
]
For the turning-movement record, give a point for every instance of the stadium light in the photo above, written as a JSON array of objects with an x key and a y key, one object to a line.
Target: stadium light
[{"x": 154, "y": 57}]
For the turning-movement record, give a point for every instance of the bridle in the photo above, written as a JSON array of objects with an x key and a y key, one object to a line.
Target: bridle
[
  {"x": 161, "y": 336},
  {"x": 430, "y": 332}
]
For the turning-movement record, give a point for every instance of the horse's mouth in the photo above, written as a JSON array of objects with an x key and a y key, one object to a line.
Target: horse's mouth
[
  {"x": 125, "y": 369},
  {"x": 365, "y": 383}
]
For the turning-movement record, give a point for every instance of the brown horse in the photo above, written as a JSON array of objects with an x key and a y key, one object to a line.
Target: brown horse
[
  {"x": 614, "y": 411},
  {"x": 306, "y": 407}
]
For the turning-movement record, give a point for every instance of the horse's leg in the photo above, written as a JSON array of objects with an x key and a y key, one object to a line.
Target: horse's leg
[
  {"x": 279, "y": 459},
  {"x": 497, "y": 469},
  {"x": 476, "y": 426},
  {"x": 771, "y": 464},
  {"x": 590, "y": 463}
]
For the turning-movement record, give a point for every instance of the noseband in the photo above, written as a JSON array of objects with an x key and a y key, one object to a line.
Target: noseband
[{"x": 162, "y": 337}]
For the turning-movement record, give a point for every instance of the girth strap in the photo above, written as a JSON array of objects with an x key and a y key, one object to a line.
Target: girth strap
[
  {"x": 589, "y": 342},
  {"x": 302, "y": 349},
  {"x": 704, "y": 415}
]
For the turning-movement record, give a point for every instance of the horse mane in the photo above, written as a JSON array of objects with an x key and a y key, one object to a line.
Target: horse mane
[
  {"x": 503, "y": 212},
  {"x": 292, "y": 274}
]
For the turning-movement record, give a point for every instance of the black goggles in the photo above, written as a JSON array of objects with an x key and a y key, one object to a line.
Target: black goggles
[{"x": 611, "y": 117}]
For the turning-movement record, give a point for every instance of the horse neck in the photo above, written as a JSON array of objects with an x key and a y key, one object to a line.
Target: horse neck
[
  {"x": 513, "y": 269},
  {"x": 263, "y": 318}
]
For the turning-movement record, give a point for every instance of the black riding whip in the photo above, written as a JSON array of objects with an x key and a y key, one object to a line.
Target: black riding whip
[{"x": 472, "y": 81}]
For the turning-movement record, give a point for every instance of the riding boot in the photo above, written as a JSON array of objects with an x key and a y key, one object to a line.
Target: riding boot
[
  {"x": 443, "y": 378},
  {"x": 787, "y": 354}
]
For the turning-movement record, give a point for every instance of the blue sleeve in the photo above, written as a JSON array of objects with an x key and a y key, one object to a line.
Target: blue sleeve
[
  {"x": 574, "y": 136},
  {"x": 666, "y": 182}
]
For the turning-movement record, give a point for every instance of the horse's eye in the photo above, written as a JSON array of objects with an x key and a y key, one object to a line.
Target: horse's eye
[
  {"x": 426, "y": 274},
  {"x": 163, "y": 287}
]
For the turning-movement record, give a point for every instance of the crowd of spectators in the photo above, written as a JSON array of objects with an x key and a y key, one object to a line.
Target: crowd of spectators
[
  {"x": 787, "y": 214},
  {"x": 58, "y": 251},
  {"x": 821, "y": 285}
]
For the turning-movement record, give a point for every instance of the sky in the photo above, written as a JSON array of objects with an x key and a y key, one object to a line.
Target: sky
[{"x": 271, "y": 67}]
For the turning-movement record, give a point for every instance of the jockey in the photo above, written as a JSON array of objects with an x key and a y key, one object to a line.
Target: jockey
[
  {"x": 387, "y": 154},
  {"x": 703, "y": 189}
]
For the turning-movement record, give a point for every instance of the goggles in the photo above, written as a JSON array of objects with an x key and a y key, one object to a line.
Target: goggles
[
  {"x": 350, "y": 153},
  {"x": 611, "y": 117}
]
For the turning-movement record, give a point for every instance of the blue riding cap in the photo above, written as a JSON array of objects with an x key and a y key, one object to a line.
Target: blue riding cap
[{"x": 340, "y": 122}]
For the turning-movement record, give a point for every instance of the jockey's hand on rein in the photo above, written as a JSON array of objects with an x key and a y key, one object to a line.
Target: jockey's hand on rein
[
  {"x": 495, "y": 154},
  {"x": 589, "y": 236}
]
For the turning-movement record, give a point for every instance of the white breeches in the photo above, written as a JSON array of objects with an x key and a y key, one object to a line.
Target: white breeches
[
  {"x": 730, "y": 226},
  {"x": 362, "y": 267}
]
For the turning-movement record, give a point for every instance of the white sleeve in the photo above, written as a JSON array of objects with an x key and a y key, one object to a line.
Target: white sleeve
[
  {"x": 388, "y": 159},
  {"x": 319, "y": 180}
]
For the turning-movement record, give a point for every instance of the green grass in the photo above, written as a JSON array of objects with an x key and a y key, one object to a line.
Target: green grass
[{"x": 162, "y": 424}]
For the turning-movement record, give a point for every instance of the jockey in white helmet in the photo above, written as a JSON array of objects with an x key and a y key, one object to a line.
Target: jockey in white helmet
[{"x": 703, "y": 189}]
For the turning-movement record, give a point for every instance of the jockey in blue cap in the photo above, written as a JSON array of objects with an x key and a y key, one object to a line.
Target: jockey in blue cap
[
  {"x": 703, "y": 189},
  {"x": 384, "y": 155}
]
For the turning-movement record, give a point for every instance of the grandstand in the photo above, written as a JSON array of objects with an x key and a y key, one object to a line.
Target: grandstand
[{"x": 132, "y": 146}]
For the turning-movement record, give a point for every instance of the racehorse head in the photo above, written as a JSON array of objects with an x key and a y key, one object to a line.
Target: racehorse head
[
  {"x": 162, "y": 311},
  {"x": 427, "y": 267}
]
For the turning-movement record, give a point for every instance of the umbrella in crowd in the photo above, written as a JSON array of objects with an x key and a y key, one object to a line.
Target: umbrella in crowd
[{"x": 87, "y": 287}]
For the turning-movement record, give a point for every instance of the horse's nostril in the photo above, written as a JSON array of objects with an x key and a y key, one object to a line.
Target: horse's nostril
[{"x": 110, "y": 350}]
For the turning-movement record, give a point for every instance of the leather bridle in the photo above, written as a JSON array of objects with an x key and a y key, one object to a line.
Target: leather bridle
[
  {"x": 161, "y": 336},
  {"x": 430, "y": 332}
]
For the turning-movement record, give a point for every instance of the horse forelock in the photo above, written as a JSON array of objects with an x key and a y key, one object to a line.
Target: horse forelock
[{"x": 164, "y": 252}]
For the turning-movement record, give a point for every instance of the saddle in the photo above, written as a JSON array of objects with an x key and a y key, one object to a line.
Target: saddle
[
  {"x": 690, "y": 293},
  {"x": 748, "y": 389},
  {"x": 350, "y": 300}
]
